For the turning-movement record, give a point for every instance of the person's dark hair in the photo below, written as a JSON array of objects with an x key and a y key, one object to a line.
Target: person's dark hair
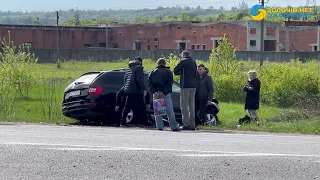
[
  {"x": 138, "y": 58},
  {"x": 185, "y": 54},
  {"x": 205, "y": 68},
  {"x": 161, "y": 61}
]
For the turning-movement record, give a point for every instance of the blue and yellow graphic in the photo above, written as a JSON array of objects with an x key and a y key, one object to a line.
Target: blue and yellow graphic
[{"x": 258, "y": 12}]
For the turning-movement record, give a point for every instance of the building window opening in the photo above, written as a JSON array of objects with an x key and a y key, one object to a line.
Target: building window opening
[
  {"x": 252, "y": 42},
  {"x": 137, "y": 45},
  {"x": 182, "y": 45}
]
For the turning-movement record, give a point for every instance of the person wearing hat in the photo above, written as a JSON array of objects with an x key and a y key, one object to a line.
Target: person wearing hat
[
  {"x": 189, "y": 78},
  {"x": 160, "y": 83}
]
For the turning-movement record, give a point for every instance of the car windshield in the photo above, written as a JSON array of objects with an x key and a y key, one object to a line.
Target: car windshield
[{"x": 87, "y": 78}]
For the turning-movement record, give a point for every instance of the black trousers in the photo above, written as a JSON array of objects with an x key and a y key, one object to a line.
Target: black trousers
[
  {"x": 118, "y": 115},
  {"x": 201, "y": 105},
  {"x": 137, "y": 105}
]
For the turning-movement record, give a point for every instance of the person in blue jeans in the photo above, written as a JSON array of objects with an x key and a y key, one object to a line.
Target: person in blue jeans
[{"x": 160, "y": 83}]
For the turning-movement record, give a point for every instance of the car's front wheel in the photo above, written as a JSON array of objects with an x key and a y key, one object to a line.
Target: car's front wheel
[{"x": 211, "y": 118}]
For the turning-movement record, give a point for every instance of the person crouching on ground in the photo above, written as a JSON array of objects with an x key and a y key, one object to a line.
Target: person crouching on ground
[
  {"x": 204, "y": 92},
  {"x": 252, "y": 90},
  {"x": 160, "y": 82}
]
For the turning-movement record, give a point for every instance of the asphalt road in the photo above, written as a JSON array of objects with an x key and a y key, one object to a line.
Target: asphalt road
[{"x": 72, "y": 152}]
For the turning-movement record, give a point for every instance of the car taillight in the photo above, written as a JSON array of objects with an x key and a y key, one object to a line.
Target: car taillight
[{"x": 95, "y": 90}]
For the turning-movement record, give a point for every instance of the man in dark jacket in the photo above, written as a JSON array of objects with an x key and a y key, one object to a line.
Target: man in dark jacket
[
  {"x": 252, "y": 90},
  {"x": 204, "y": 92},
  {"x": 160, "y": 83},
  {"x": 135, "y": 91},
  {"x": 189, "y": 77},
  {"x": 120, "y": 103}
]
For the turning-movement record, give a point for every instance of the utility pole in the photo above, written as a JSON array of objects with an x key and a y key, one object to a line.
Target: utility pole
[
  {"x": 262, "y": 36},
  {"x": 58, "y": 54}
]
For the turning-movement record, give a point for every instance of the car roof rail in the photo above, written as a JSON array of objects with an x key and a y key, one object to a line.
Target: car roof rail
[
  {"x": 121, "y": 69},
  {"x": 92, "y": 72}
]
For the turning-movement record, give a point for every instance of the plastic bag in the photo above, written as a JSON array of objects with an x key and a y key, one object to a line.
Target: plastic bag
[{"x": 160, "y": 107}]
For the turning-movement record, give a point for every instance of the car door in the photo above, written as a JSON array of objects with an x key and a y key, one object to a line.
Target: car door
[{"x": 175, "y": 95}]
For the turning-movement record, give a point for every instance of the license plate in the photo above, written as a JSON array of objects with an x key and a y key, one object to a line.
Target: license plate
[{"x": 73, "y": 93}]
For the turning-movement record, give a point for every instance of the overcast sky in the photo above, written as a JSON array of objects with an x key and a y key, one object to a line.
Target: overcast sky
[{"x": 37, "y": 5}]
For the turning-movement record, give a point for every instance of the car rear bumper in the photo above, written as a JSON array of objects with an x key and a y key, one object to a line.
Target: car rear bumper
[{"x": 80, "y": 109}]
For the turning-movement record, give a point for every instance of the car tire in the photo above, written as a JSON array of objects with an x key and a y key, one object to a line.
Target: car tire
[{"x": 211, "y": 118}]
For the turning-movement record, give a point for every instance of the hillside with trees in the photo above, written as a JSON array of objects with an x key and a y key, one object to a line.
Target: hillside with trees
[{"x": 74, "y": 17}]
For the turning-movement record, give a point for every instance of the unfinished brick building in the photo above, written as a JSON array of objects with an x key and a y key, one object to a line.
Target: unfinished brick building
[{"x": 245, "y": 36}]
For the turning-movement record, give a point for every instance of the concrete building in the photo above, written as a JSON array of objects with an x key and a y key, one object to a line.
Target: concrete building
[
  {"x": 244, "y": 35},
  {"x": 271, "y": 36}
]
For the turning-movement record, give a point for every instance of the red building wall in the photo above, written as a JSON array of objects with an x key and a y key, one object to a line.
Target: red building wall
[
  {"x": 167, "y": 34},
  {"x": 300, "y": 37},
  {"x": 46, "y": 37},
  {"x": 163, "y": 36}
]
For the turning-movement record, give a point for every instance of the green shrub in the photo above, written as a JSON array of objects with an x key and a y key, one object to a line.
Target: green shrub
[
  {"x": 284, "y": 84},
  {"x": 223, "y": 59},
  {"x": 172, "y": 62},
  {"x": 229, "y": 88},
  {"x": 17, "y": 67}
]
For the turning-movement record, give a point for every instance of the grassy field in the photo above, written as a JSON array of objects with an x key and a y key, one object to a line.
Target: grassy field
[{"x": 44, "y": 101}]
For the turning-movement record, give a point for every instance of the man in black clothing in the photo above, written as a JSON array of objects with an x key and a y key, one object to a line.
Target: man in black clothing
[
  {"x": 189, "y": 78},
  {"x": 120, "y": 103},
  {"x": 135, "y": 92}
]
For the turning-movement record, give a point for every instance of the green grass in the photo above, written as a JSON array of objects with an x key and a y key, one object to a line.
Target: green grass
[
  {"x": 44, "y": 103},
  {"x": 231, "y": 112}
]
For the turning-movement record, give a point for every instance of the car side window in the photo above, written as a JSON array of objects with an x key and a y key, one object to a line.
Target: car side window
[
  {"x": 111, "y": 79},
  {"x": 176, "y": 88}
]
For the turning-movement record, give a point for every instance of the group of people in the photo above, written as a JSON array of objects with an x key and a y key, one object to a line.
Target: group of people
[{"x": 197, "y": 89}]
